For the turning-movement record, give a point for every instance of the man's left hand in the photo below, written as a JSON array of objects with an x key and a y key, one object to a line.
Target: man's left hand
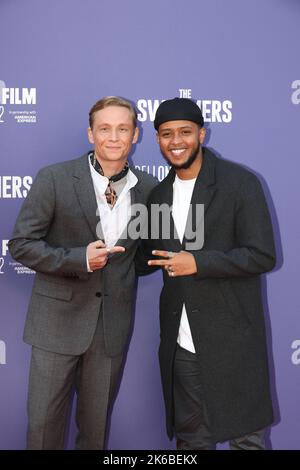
[{"x": 176, "y": 264}]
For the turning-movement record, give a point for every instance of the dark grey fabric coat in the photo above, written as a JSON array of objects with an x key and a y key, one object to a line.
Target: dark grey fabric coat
[{"x": 223, "y": 300}]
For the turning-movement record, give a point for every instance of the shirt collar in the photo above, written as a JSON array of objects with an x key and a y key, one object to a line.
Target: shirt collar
[{"x": 102, "y": 181}]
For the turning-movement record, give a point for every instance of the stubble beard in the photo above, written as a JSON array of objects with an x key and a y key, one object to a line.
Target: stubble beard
[{"x": 188, "y": 163}]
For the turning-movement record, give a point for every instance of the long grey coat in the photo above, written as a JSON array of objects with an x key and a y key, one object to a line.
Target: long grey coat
[
  {"x": 56, "y": 223},
  {"x": 223, "y": 300}
]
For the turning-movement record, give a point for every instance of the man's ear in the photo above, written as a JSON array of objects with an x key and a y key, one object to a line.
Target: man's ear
[
  {"x": 90, "y": 136},
  {"x": 135, "y": 135},
  {"x": 202, "y": 134}
]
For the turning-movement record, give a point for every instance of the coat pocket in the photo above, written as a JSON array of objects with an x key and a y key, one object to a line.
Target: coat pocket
[{"x": 55, "y": 291}]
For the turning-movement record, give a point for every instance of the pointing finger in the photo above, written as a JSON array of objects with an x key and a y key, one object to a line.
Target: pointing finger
[{"x": 116, "y": 249}]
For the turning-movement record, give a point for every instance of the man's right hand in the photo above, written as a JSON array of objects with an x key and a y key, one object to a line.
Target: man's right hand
[{"x": 97, "y": 254}]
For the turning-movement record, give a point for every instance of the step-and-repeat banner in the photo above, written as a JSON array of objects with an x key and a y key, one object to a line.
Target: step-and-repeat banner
[{"x": 240, "y": 61}]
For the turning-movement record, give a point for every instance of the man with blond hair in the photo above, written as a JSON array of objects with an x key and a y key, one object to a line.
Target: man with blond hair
[{"x": 80, "y": 310}]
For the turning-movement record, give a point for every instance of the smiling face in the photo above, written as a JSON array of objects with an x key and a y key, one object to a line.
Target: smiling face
[
  {"x": 180, "y": 142},
  {"x": 113, "y": 134}
]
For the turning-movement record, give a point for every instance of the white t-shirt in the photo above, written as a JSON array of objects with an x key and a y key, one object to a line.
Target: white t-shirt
[{"x": 182, "y": 195}]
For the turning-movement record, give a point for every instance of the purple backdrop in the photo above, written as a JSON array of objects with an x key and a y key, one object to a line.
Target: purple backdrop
[{"x": 240, "y": 60}]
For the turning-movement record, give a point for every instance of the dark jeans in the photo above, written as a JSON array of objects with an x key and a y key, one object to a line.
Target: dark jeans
[{"x": 190, "y": 414}]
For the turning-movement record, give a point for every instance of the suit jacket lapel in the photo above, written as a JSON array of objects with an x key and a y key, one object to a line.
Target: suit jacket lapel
[
  {"x": 85, "y": 192},
  {"x": 135, "y": 198}
]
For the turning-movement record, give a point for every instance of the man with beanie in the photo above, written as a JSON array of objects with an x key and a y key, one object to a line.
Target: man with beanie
[{"x": 213, "y": 353}]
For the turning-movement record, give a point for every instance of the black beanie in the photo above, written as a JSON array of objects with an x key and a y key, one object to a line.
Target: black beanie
[{"x": 178, "y": 109}]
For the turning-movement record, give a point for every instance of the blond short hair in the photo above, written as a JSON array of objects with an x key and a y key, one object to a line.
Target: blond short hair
[{"x": 112, "y": 101}]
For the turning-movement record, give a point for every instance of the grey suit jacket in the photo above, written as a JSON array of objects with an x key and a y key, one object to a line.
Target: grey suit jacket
[{"x": 56, "y": 223}]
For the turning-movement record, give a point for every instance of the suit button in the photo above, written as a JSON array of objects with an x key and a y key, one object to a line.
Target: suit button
[
  {"x": 98, "y": 294},
  {"x": 175, "y": 313}
]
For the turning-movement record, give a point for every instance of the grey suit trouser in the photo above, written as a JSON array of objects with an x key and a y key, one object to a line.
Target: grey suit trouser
[
  {"x": 191, "y": 421},
  {"x": 51, "y": 384}
]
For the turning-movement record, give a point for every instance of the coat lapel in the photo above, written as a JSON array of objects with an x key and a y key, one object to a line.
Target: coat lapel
[
  {"x": 85, "y": 192},
  {"x": 173, "y": 244},
  {"x": 204, "y": 190}
]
